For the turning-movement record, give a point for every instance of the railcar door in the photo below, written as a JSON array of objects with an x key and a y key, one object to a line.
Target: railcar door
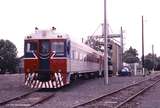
[{"x": 44, "y": 64}]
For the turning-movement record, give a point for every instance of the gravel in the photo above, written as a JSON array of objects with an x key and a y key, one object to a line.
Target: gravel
[
  {"x": 149, "y": 99},
  {"x": 87, "y": 90},
  {"x": 12, "y": 85},
  {"x": 69, "y": 96}
]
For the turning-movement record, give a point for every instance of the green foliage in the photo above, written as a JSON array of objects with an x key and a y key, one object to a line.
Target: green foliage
[
  {"x": 130, "y": 56},
  {"x": 148, "y": 64},
  {"x": 151, "y": 61},
  {"x": 8, "y": 54},
  {"x": 157, "y": 63}
]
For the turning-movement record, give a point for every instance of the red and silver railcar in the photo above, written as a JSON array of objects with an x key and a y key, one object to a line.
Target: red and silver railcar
[{"x": 52, "y": 60}]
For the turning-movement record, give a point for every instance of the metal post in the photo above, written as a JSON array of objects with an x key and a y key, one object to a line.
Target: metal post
[
  {"x": 135, "y": 69},
  {"x": 153, "y": 57},
  {"x": 121, "y": 47},
  {"x": 82, "y": 40},
  {"x": 105, "y": 45},
  {"x": 117, "y": 59},
  {"x": 143, "y": 47}
]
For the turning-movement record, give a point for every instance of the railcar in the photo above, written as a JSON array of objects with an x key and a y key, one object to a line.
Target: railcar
[{"x": 52, "y": 59}]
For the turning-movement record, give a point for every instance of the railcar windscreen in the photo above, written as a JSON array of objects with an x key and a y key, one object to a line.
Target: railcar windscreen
[
  {"x": 58, "y": 47},
  {"x": 31, "y": 46},
  {"x": 44, "y": 48}
]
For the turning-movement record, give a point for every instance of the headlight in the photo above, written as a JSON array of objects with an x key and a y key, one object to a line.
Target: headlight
[
  {"x": 59, "y": 70},
  {"x": 28, "y": 70}
]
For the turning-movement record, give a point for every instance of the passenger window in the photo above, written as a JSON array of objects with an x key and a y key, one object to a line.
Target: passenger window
[
  {"x": 76, "y": 55},
  {"x": 73, "y": 55},
  {"x": 68, "y": 48}
]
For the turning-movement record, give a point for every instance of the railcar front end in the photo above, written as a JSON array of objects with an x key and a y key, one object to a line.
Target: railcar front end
[{"x": 45, "y": 60}]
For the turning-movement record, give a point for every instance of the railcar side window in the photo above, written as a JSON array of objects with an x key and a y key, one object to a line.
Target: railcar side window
[
  {"x": 68, "y": 48},
  {"x": 73, "y": 55},
  {"x": 76, "y": 55},
  {"x": 30, "y": 46},
  {"x": 58, "y": 47}
]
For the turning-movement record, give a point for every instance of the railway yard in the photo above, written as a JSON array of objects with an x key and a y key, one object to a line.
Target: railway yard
[
  {"x": 92, "y": 93},
  {"x": 50, "y": 68}
]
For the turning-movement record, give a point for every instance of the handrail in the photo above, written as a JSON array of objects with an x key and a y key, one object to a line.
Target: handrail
[{"x": 53, "y": 54}]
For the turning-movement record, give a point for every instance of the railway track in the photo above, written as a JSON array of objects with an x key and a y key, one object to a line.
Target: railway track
[
  {"x": 120, "y": 97},
  {"x": 29, "y": 99}
]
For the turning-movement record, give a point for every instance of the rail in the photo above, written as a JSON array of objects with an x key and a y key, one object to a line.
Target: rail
[
  {"x": 118, "y": 104},
  {"x": 34, "y": 96}
]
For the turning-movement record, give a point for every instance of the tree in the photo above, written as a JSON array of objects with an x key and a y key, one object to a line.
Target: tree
[
  {"x": 148, "y": 64},
  {"x": 151, "y": 61},
  {"x": 157, "y": 67},
  {"x": 148, "y": 61},
  {"x": 130, "y": 56},
  {"x": 8, "y": 56}
]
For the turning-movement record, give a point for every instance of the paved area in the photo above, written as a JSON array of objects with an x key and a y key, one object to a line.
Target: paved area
[{"x": 66, "y": 97}]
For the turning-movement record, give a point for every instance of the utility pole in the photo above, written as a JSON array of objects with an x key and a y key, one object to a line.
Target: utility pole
[
  {"x": 105, "y": 45},
  {"x": 118, "y": 61},
  {"x": 121, "y": 47},
  {"x": 153, "y": 57},
  {"x": 143, "y": 47}
]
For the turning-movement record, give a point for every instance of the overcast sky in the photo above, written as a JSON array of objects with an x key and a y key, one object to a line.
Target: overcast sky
[{"x": 80, "y": 18}]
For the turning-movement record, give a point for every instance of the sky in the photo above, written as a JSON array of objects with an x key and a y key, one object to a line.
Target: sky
[{"x": 80, "y": 18}]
